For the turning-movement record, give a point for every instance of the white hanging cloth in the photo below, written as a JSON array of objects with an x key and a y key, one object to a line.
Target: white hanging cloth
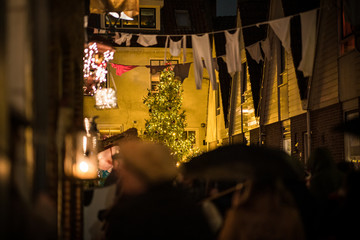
[
  {"x": 233, "y": 55},
  {"x": 308, "y": 37},
  {"x": 255, "y": 51},
  {"x": 265, "y": 45},
  {"x": 281, "y": 28},
  {"x": 175, "y": 47},
  {"x": 201, "y": 49},
  {"x": 125, "y": 37},
  {"x": 147, "y": 40}
]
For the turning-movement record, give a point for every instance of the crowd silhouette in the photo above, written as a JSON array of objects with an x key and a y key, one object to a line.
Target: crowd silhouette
[{"x": 157, "y": 200}]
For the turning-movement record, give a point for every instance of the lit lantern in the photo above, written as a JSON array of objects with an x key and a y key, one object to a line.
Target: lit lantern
[
  {"x": 105, "y": 98},
  {"x": 81, "y": 156}
]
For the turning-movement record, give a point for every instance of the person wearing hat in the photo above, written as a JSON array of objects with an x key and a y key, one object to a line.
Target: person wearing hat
[
  {"x": 108, "y": 148},
  {"x": 150, "y": 206},
  {"x": 97, "y": 201}
]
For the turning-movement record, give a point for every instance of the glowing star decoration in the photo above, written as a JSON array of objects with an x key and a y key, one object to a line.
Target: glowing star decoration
[
  {"x": 105, "y": 98},
  {"x": 96, "y": 57}
]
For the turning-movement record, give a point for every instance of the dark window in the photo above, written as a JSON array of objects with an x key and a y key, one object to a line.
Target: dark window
[
  {"x": 282, "y": 59},
  {"x": 282, "y": 66},
  {"x": 182, "y": 18},
  {"x": 147, "y": 18},
  {"x": 243, "y": 82},
  {"x": 217, "y": 99}
]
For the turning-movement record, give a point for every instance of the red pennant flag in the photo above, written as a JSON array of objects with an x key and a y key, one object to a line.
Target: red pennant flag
[{"x": 120, "y": 69}]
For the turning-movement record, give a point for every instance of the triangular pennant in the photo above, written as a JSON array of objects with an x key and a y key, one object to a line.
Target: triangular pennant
[
  {"x": 265, "y": 45},
  {"x": 281, "y": 28},
  {"x": 255, "y": 51},
  {"x": 120, "y": 69},
  {"x": 182, "y": 71},
  {"x": 308, "y": 37}
]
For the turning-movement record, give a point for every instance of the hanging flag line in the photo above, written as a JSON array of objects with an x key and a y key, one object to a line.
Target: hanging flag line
[
  {"x": 147, "y": 65},
  {"x": 103, "y": 30},
  {"x": 203, "y": 56},
  {"x": 180, "y": 70}
]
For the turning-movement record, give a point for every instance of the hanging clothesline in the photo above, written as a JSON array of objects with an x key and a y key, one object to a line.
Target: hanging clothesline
[
  {"x": 257, "y": 51},
  {"x": 213, "y": 32},
  {"x": 147, "y": 65}
]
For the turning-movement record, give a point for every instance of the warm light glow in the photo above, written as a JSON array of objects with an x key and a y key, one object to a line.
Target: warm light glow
[
  {"x": 95, "y": 63},
  {"x": 84, "y": 167},
  {"x": 87, "y": 125},
  {"x": 84, "y": 143},
  {"x": 77, "y": 164},
  {"x": 105, "y": 98}
]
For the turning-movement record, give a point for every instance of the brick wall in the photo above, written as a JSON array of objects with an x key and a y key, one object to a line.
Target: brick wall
[
  {"x": 254, "y": 136},
  {"x": 323, "y": 122},
  {"x": 273, "y": 136},
  {"x": 297, "y": 128}
]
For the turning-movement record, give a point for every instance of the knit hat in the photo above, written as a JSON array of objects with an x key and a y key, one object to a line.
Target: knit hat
[{"x": 149, "y": 161}]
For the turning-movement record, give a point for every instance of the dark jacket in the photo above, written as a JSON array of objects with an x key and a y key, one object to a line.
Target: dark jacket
[{"x": 163, "y": 213}]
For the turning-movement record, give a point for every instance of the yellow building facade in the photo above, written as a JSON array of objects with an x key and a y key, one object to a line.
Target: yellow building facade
[{"x": 133, "y": 85}]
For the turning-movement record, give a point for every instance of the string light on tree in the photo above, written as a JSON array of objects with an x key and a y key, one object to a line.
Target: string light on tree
[{"x": 167, "y": 120}]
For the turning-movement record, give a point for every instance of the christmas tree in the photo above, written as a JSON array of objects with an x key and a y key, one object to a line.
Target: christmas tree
[{"x": 167, "y": 121}]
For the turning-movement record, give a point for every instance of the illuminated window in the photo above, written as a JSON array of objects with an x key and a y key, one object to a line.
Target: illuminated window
[
  {"x": 131, "y": 23},
  {"x": 146, "y": 19},
  {"x": 352, "y": 142},
  {"x": 190, "y": 135},
  {"x": 346, "y": 36},
  {"x": 286, "y": 134},
  {"x": 155, "y": 73}
]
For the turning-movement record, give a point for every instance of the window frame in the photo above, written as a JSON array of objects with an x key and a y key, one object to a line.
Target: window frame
[
  {"x": 347, "y": 41},
  {"x": 349, "y": 139},
  {"x": 106, "y": 19},
  {"x": 141, "y": 16},
  {"x": 157, "y": 81},
  {"x": 196, "y": 130}
]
